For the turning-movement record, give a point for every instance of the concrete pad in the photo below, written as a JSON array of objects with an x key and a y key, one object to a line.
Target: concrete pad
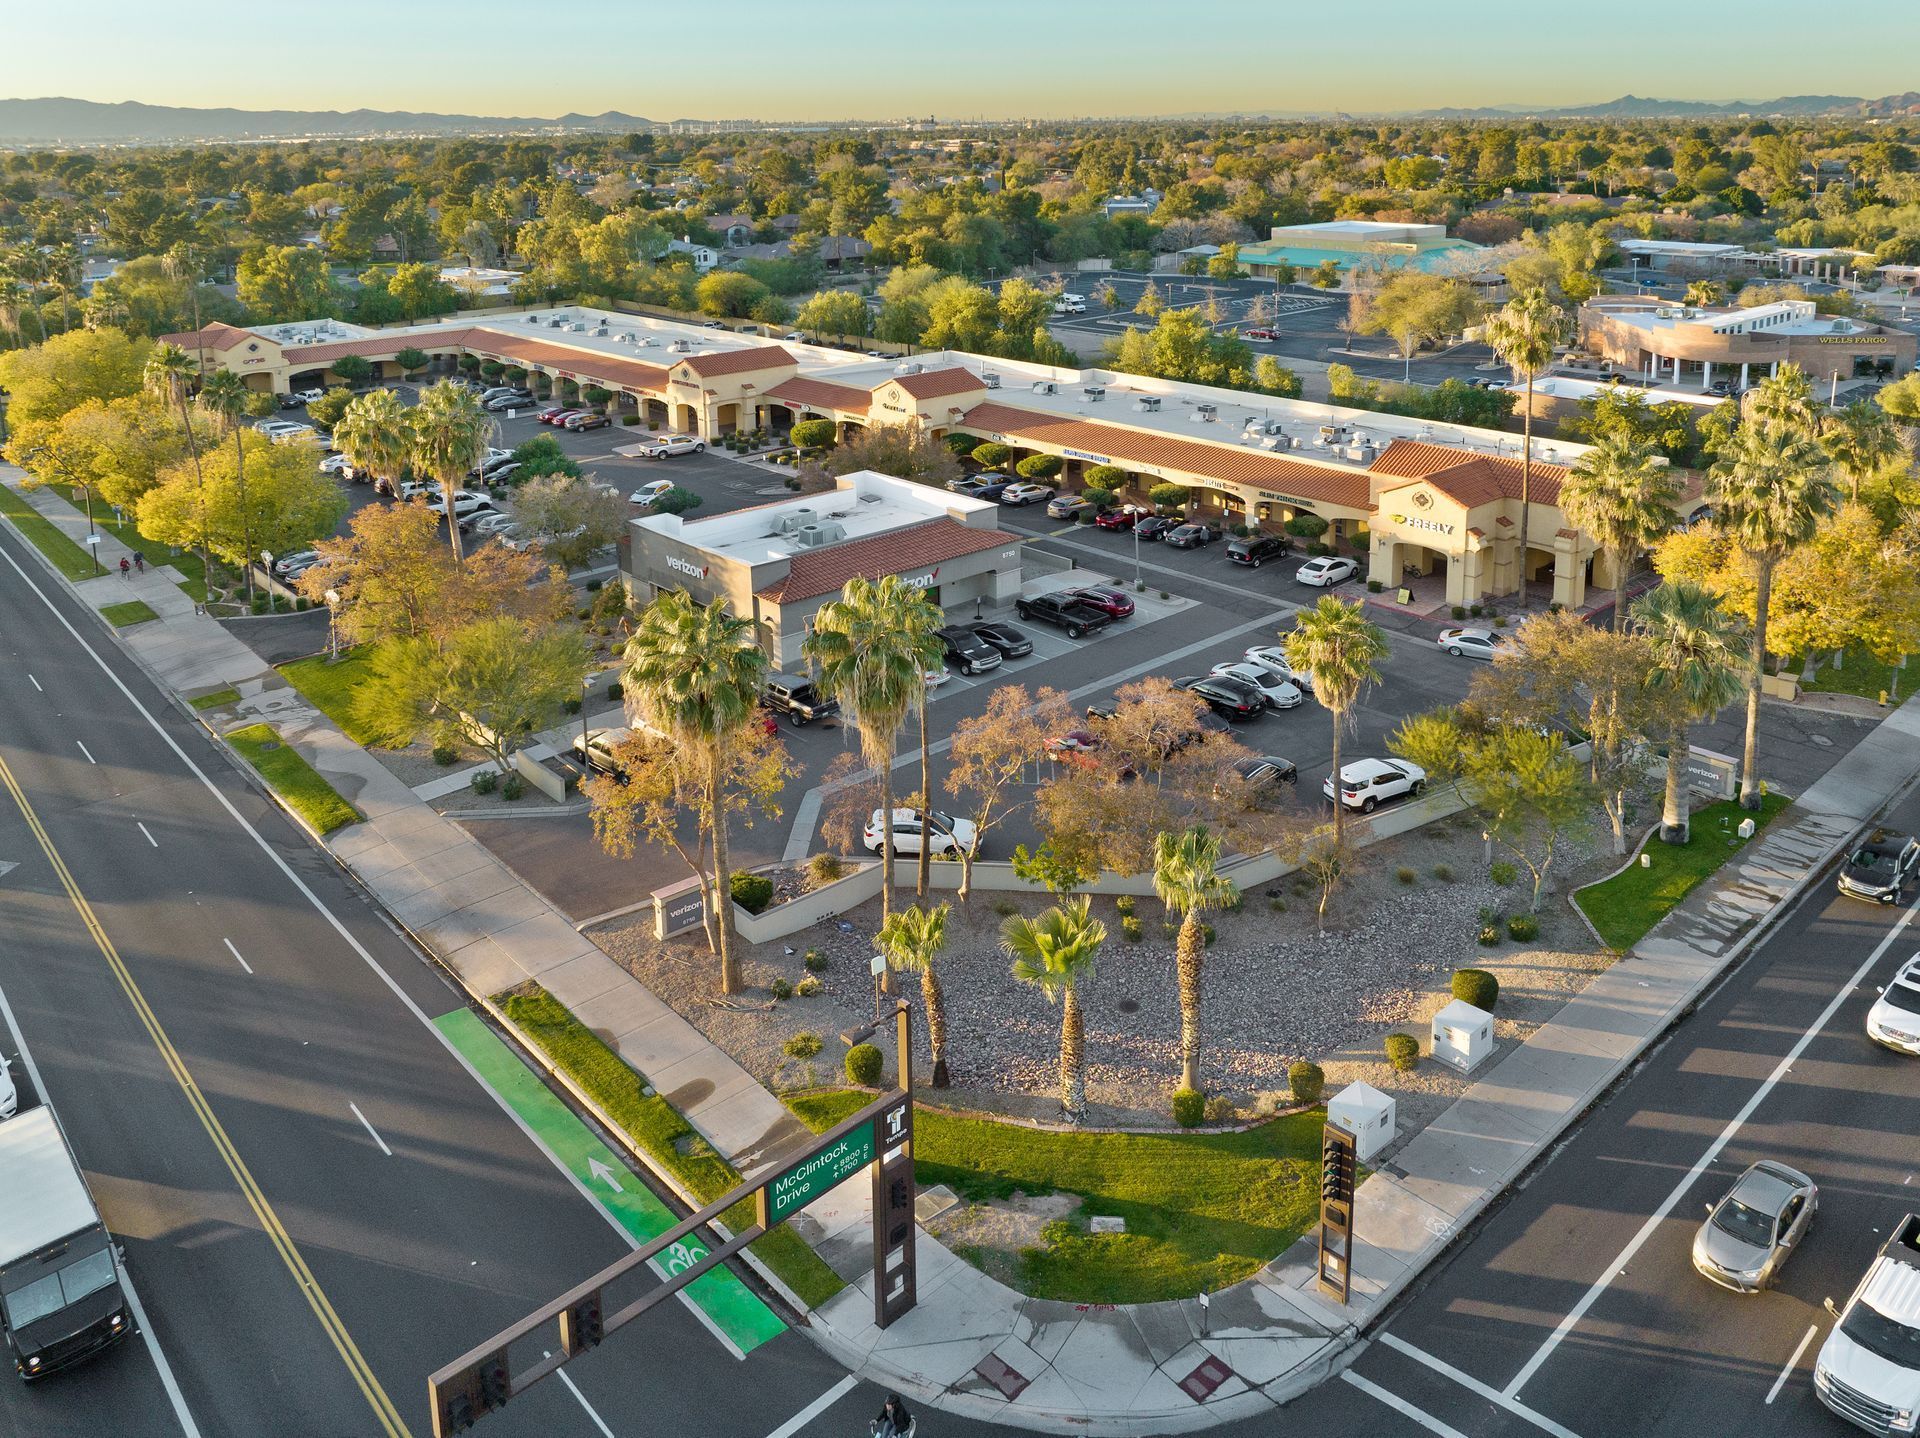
[
  {"x": 1106, "y": 1358},
  {"x": 1165, "y": 1328},
  {"x": 660, "y": 1045},
  {"x": 545, "y": 942},
  {"x": 1391, "y": 1222},
  {"x": 585, "y": 981},
  {"x": 486, "y": 968},
  {"x": 491, "y": 915},
  {"x": 1043, "y": 1325}
]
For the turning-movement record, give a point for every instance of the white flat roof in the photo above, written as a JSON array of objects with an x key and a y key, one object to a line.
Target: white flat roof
[
  {"x": 1566, "y": 386},
  {"x": 1678, "y": 247},
  {"x": 1364, "y": 229},
  {"x": 46, "y": 1198}
]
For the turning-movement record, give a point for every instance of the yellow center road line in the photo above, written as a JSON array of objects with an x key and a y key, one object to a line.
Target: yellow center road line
[{"x": 389, "y": 1417}]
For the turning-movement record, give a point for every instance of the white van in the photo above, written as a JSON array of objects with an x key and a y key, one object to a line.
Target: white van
[{"x": 1070, "y": 305}]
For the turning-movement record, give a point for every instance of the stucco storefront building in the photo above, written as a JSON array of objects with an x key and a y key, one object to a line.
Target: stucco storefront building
[{"x": 1682, "y": 345}]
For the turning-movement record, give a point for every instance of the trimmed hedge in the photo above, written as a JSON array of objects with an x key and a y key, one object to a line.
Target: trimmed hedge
[
  {"x": 864, "y": 1064},
  {"x": 1403, "y": 1052},
  {"x": 1476, "y": 987},
  {"x": 1039, "y": 466},
  {"x": 992, "y": 456},
  {"x": 1189, "y": 1107},
  {"x": 1307, "y": 1080},
  {"x": 752, "y": 892}
]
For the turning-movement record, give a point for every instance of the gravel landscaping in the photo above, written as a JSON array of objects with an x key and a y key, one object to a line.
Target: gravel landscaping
[{"x": 1276, "y": 990}]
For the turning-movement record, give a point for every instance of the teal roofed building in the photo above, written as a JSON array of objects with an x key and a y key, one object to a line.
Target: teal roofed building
[{"x": 1359, "y": 244}]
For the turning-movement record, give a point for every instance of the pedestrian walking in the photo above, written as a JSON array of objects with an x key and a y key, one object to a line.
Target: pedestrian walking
[
  {"x": 139, "y": 562},
  {"x": 126, "y": 569}
]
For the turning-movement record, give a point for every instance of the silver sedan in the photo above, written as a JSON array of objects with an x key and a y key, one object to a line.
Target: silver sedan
[{"x": 1750, "y": 1234}]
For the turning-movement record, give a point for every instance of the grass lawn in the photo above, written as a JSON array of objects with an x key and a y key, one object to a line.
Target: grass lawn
[
  {"x": 193, "y": 576},
  {"x": 1203, "y": 1210},
  {"x": 1863, "y": 675},
  {"x": 659, "y": 1129},
  {"x": 293, "y": 779},
  {"x": 1624, "y": 907},
  {"x": 134, "y": 611},
  {"x": 67, "y": 557},
  {"x": 330, "y": 687},
  {"x": 216, "y": 700}
]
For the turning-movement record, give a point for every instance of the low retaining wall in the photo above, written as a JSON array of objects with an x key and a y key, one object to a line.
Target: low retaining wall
[{"x": 809, "y": 909}]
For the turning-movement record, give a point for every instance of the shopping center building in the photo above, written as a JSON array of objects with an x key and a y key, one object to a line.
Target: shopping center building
[
  {"x": 1412, "y": 497},
  {"x": 1685, "y": 345}
]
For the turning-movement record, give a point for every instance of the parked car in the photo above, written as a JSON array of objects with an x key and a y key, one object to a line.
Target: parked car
[
  {"x": 1011, "y": 643},
  {"x": 970, "y": 484},
  {"x": 1471, "y": 643},
  {"x": 935, "y": 677},
  {"x": 997, "y": 486},
  {"x": 1265, "y": 772},
  {"x": 513, "y": 399},
  {"x": 795, "y": 696},
  {"x": 274, "y": 428},
  {"x": 465, "y": 502},
  {"x": 492, "y": 523},
  {"x": 1894, "y": 1019},
  {"x": 1155, "y": 526},
  {"x": 1017, "y": 496},
  {"x": 496, "y": 460},
  {"x": 943, "y": 834},
  {"x": 1110, "y": 602},
  {"x": 967, "y": 651},
  {"x": 584, "y": 421},
  {"x": 594, "y": 749},
  {"x": 1190, "y": 536},
  {"x": 504, "y": 474},
  {"x": 287, "y": 565},
  {"x": 337, "y": 465},
  {"x": 1881, "y": 868},
  {"x": 1326, "y": 571},
  {"x": 1079, "y": 620},
  {"x": 1226, "y": 696},
  {"x": 1280, "y": 693},
  {"x": 1068, "y": 506},
  {"x": 1751, "y": 1232},
  {"x": 1257, "y": 549},
  {"x": 1259, "y": 332},
  {"x": 1076, "y": 746},
  {"x": 553, "y": 412},
  {"x": 665, "y": 445},
  {"x": 1273, "y": 659},
  {"x": 651, "y": 491},
  {"x": 298, "y": 567},
  {"x": 1366, "y": 784},
  {"x": 418, "y": 489},
  {"x": 794, "y": 337},
  {"x": 1121, "y": 518}
]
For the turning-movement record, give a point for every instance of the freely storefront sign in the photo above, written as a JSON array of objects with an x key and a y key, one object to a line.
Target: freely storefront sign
[
  {"x": 1413, "y": 521},
  {"x": 817, "y": 1173}
]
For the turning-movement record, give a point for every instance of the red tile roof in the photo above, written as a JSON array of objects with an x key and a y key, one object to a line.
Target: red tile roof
[
  {"x": 815, "y": 572},
  {"x": 214, "y": 336},
  {"x": 1123, "y": 445},
  {"x": 935, "y": 383},
  {"x": 610, "y": 370},
  {"x": 738, "y": 361},
  {"x": 1470, "y": 478},
  {"x": 375, "y": 347},
  {"x": 821, "y": 394}
]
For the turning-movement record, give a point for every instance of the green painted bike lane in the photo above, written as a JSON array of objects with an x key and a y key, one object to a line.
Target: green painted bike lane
[{"x": 732, "y": 1309}]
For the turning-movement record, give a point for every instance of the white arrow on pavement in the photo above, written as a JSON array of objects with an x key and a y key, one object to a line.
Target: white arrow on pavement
[{"x": 600, "y": 1171}]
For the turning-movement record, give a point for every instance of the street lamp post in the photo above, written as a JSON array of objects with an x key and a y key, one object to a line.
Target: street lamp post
[
  {"x": 1137, "y": 582},
  {"x": 586, "y": 687},
  {"x": 333, "y": 625}
]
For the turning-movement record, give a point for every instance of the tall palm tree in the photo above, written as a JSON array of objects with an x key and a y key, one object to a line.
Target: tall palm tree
[
  {"x": 1705, "y": 294},
  {"x": 167, "y": 375},
  {"x": 450, "y": 436},
  {"x": 1784, "y": 401},
  {"x": 873, "y": 646},
  {"x": 1700, "y": 653},
  {"x": 1770, "y": 490},
  {"x": 695, "y": 672},
  {"x": 1624, "y": 497},
  {"x": 1341, "y": 649},
  {"x": 224, "y": 395},
  {"x": 13, "y": 306},
  {"x": 1525, "y": 333},
  {"x": 373, "y": 433},
  {"x": 912, "y": 939},
  {"x": 1860, "y": 440},
  {"x": 1187, "y": 877},
  {"x": 1054, "y": 952}
]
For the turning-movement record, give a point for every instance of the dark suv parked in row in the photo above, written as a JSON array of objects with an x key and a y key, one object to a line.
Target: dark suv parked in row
[
  {"x": 1256, "y": 549},
  {"x": 794, "y": 696}
]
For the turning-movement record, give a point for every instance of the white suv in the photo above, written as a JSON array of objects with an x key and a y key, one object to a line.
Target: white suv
[
  {"x": 1365, "y": 784},
  {"x": 1894, "y": 1019},
  {"x": 949, "y": 835}
]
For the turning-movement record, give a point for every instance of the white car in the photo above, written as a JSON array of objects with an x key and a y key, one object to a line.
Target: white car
[
  {"x": 420, "y": 489},
  {"x": 671, "y": 444},
  {"x": 1326, "y": 571},
  {"x": 274, "y": 428},
  {"x": 1273, "y": 659},
  {"x": 491, "y": 523},
  {"x": 337, "y": 464},
  {"x": 308, "y": 396},
  {"x": 651, "y": 491},
  {"x": 1015, "y": 495},
  {"x": 291, "y": 564},
  {"x": 1894, "y": 1019},
  {"x": 9, "y": 1095},
  {"x": 936, "y": 677},
  {"x": 1281, "y": 693},
  {"x": 950, "y": 835},
  {"x": 1471, "y": 643},
  {"x": 465, "y": 502},
  {"x": 1365, "y": 784}
]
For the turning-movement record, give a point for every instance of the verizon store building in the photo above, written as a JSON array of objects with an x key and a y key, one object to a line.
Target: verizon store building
[{"x": 779, "y": 563}]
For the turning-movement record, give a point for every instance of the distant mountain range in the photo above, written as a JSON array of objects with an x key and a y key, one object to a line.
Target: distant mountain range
[{"x": 1634, "y": 107}]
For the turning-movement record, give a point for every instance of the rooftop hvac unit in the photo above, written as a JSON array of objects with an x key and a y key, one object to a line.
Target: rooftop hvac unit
[
  {"x": 794, "y": 519},
  {"x": 1095, "y": 392},
  {"x": 555, "y": 323},
  {"x": 533, "y": 319},
  {"x": 990, "y": 379},
  {"x": 909, "y": 368},
  {"x": 1045, "y": 386},
  {"x": 627, "y": 338},
  {"x": 813, "y": 536},
  {"x": 1205, "y": 413},
  {"x": 600, "y": 330},
  {"x": 1361, "y": 453},
  {"x": 1147, "y": 404},
  {"x": 577, "y": 328}
]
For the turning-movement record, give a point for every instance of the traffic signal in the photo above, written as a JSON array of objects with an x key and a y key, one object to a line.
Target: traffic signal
[
  {"x": 496, "y": 1382},
  {"x": 1336, "y": 1166},
  {"x": 581, "y": 1326},
  {"x": 462, "y": 1398}
]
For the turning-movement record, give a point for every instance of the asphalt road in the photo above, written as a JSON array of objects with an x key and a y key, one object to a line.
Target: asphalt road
[{"x": 1774, "y": 1064}]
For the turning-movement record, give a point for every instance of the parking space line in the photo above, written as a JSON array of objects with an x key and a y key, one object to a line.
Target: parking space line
[
  {"x": 1793, "y": 1362},
  {"x": 814, "y": 1409},
  {"x": 598, "y": 1421},
  {"x": 1474, "y": 1385},
  {"x": 1401, "y": 1406},
  {"x": 370, "y": 1129}
]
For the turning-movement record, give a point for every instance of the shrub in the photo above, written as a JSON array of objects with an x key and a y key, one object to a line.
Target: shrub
[
  {"x": 1097, "y": 497},
  {"x": 808, "y": 987},
  {"x": 1125, "y": 904},
  {"x": 1306, "y": 526},
  {"x": 1220, "y": 1109},
  {"x": 1207, "y": 935},
  {"x": 1489, "y": 936},
  {"x": 1502, "y": 873},
  {"x": 302, "y": 605},
  {"x": 1109, "y": 477},
  {"x": 1443, "y": 872},
  {"x": 1038, "y": 466},
  {"x": 823, "y": 869},
  {"x": 1405, "y": 875},
  {"x": 991, "y": 456},
  {"x": 752, "y": 892},
  {"x": 1403, "y": 1052},
  {"x": 614, "y": 691},
  {"x": 484, "y": 781},
  {"x": 780, "y": 989},
  {"x": 570, "y": 706},
  {"x": 1168, "y": 496},
  {"x": 864, "y": 1063},
  {"x": 815, "y": 961},
  {"x": 1132, "y": 928},
  {"x": 445, "y": 755},
  {"x": 1189, "y": 1107},
  {"x": 1459, "y": 611},
  {"x": 1523, "y": 927},
  {"x": 1005, "y": 908},
  {"x": 1277, "y": 904},
  {"x": 960, "y": 445},
  {"x": 259, "y": 604},
  {"x": 815, "y": 432},
  {"x": 1374, "y": 586},
  {"x": 1306, "y": 1080},
  {"x": 803, "y": 1045},
  {"x": 1476, "y": 987},
  {"x": 512, "y": 788},
  {"x": 1474, "y": 610}
]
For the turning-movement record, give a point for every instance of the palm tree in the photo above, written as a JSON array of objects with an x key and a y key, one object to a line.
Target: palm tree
[
  {"x": 695, "y": 672},
  {"x": 873, "y": 646},
  {"x": 1784, "y": 400},
  {"x": 166, "y": 375},
  {"x": 1055, "y": 952},
  {"x": 1341, "y": 650},
  {"x": 450, "y": 436},
  {"x": 1624, "y": 497},
  {"x": 1770, "y": 490},
  {"x": 13, "y": 305},
  {"x": 912, "y": 940},
  {"x": 224, "y": 395},
  {"x": 1860, "y": 440},
  {"x": 1186, "y": 877},
  {"x": 1699, "y": 653},
  {"x": 1705, "y": 294},
  {"x": 1525, "y": 333},
  {"x": 373, "y": 433}
]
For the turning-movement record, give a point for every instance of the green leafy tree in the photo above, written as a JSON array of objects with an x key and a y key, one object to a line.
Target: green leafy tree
[
  {"x": 1526, "y": 333},
  {"x": 726, "y": 294},
  {"x": 1700, "y": 655},
  {"x": 1187, "y": 877},
  {"x": 355, "y": 370},
  {"x": 1619, "y": 494},
  {"x": 44, "y": 382},
  {"x": 911, "y": 940},
  {"x": 284, "y": 505},
  {"x": 1415, "y": 309},
  {"x": 1861, "y": 440},
  {"x": 1055, "y": 952},
  {"x": 572, "y": 518},
  {"x": 168, "y": 375},
  {"x": 835, "y": 312},
  {"x": 1340, "y": 649},
  {"x": 225, "y": 396},
  {"x": 325, "y": 412},
  {"x": 286, "y": 282}
]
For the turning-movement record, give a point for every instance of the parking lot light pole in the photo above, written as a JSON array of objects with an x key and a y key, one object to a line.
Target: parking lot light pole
[
  {"x": 586, "y": 688},
  {"x": 1137, "y": 583}
]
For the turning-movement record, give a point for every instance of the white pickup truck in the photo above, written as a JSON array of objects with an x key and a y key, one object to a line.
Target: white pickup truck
[{"x": 1868, "y": 1371}]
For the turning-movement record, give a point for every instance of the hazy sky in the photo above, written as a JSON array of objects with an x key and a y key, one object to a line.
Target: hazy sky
[{"x": 816, "y": 59}]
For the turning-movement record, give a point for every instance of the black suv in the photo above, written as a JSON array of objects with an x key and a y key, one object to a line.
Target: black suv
[
  {"x": 1079, "y": 620},
  {"x": 967, "y": 651},
  {"x": 1881, "y": 868},
  {"x": 1011, "y": 643},
  {"x": 794, "y": 696},
  {"x": 1256, "y": 549}
]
